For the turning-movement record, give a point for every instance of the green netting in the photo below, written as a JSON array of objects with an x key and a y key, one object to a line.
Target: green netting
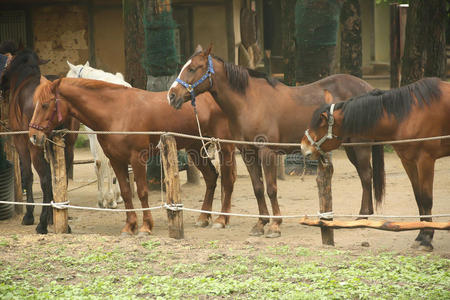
[
  {"x": 160, "y": 57},
  {"x": 316, "y": 22},
  {"x": 4, "y": 164}
]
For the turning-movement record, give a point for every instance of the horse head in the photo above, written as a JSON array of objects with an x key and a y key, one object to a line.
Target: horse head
[
  {"x": 49, "y": 111},
  {"x": 75, "y": 70},
  {"x": 194, "y": 78},
  {"x": 323, "y": 134}
]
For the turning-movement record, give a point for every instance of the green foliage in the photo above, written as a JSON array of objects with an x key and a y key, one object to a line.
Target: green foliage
[
  {"x": 278, "y": 272},
  {"x": 82, "y": 139}
]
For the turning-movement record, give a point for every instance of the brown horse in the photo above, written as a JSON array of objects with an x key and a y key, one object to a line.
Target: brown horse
[
  {"x": 418, "y": 110},
  {"x": 262, "y": 109},
  {"x": 110, "y": 107},
  {"x": 20, "y": 80}
]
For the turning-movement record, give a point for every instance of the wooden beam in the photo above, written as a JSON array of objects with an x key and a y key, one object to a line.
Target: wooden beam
[
  {"x": 324, "y": 174},
  {"x": 59, "y": 184},
  {"x": 172, "y": 181},
  {"x": 382, "y": 225}
]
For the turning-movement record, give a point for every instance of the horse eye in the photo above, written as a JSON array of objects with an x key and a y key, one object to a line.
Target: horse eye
[
  {"x": 191, "y": 70},
  {"x": 45, "y": 105}
]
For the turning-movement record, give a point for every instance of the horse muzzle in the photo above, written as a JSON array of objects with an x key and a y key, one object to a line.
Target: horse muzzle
[{"x": 37, "y": 139}]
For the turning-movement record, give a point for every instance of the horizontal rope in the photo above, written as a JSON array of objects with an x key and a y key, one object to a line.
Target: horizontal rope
[
  {"x": 179, "y": 207},
  {"x": 238, "y": 142}
]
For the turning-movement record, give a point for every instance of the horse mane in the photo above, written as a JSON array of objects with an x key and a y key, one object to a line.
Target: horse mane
[
  {"x": 361, "y": 113},
  {"x": 43, "y": 92},
  {"x": 8, "y": 47},
  {"x": 93, "y": 84},
  {"x": 25, "y": 64},
  {"x": 238, "y": 76}
]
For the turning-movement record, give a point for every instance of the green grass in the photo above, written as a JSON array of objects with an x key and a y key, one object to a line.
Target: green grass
[{"x": 151, "y": 270}]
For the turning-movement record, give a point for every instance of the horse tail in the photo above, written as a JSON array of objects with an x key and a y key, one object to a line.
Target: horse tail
[{"x": 379, "y": 176}]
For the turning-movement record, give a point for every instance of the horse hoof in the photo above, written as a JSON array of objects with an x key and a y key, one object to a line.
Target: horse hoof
[
  {"x": 415, "y": 245},
  {"x": 41, "y": 229},
  {"x": 426, "y": 247},
  {"x": 201, "y": 224},
  {"x": 256, "y": 231},
  {"x": 143, "y": 233},
  {"x": 272, "y": 234},
  {"x": 125, "y": 234},
  {"x": 27, "y": 220},
  {"x": 218, "y": 226},
  {"x": 119, "y": 200}
]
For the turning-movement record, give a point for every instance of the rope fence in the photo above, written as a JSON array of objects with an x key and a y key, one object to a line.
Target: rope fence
[
  {"x": 173, "y": 203},
  {"x": 327, "y": 215},
  {"x": 238, "y": 142}
]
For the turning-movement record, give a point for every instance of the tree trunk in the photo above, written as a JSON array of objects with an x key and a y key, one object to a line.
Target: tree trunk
[
  {"x": 288, "y": 40},
  {"x": 413, "y": 57},
  {"x": 436, "y": 62},
  {"x": 351, "y": 43},
  {"x": 425, "y": 41},
  {"x": 134, "y": 43}
]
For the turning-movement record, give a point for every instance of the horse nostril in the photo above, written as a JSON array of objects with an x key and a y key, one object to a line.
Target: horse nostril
[
  {"x": 33, "y": 139},
  {"x": 172, "y": 96}
]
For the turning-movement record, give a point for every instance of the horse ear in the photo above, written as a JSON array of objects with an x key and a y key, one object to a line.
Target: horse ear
[
  {"x": 199, "y": 48},
  {"x": 70, "y": 65},
  {"x": 43, "y": 80},
  {"x": 208, "y": 51},
  {"x": 43, "y": 61},
  {"x": 328, "y": 96},
  {"x": 55, "y": 84},
  {"x": 87, "y": 64}
]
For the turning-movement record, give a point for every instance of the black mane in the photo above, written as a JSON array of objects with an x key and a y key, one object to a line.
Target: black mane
[
  {"x": 22, "y": 66},
  {"x": 238, "y": 76},
  {"x": 361, "y": 113}
]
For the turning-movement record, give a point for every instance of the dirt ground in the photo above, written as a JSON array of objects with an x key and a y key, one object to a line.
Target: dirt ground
[{"x": 295, "y": 197}]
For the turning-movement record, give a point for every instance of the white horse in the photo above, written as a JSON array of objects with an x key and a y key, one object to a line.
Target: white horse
[{"x": 111, "y": 196}]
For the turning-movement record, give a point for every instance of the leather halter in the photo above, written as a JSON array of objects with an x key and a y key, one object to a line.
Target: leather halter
[
  {"x": 57, "y": 112},
  {"x": 190, "y": 87},
  {"x": 329, "y": 135}
]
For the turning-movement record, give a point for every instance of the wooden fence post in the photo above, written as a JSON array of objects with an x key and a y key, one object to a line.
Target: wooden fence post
[
  {"x": 172, "y": 181},
  {"x": 18, "y": 193},
  {"x": 324, "y": 174},
  {"x": 59, "y": 184}
]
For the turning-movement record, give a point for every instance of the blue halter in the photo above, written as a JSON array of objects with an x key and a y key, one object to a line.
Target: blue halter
[
  {"x": 190, "y": 87},
  {"x": 3, "y": 62}
]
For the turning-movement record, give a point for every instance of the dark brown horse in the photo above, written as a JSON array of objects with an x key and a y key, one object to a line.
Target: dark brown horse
[
  {"x": 20, "y": 80},
  {"x": 261, "y": 109},
  {"x": 110, "y": 107},
  {"x": 418, "y": 110}
]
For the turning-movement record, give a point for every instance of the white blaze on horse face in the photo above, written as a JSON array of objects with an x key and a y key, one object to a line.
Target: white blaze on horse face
[{"x": 175, "y": 83}]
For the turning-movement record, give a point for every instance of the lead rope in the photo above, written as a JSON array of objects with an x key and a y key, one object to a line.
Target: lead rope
[{"x": 213, "y": 141}]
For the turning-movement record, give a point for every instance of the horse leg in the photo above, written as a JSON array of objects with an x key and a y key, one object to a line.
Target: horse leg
[
  {"x": 68, "y": 155},
  {"x": 270, "y": 162},
  {"x": 110, "y": 200},
  {"x": 142, "y": 192},
  {"x": 360, "y": 158},
  {"x": 425, "y": 168},
  {"x": 117, "y": 198},
  {"x": 412, "y": 169},
  {"x": 43, "y": 169},
  {"x": 227, "y": 179},
  {"x": 253, "y": 164},
  {"x": 27, "y": 181},
  {"x": 210, "y": 176},
  {"x": 121, "y": 170},
  {"x": 98, "y": 172}
]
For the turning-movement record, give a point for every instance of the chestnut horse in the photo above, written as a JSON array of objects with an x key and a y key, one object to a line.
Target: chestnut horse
[
  {"x": 414, "y": 111},
  {"x": 20, "y": 79},
  {"x": 262, "y": 109},
  {"x": 110, "y": 107}
]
